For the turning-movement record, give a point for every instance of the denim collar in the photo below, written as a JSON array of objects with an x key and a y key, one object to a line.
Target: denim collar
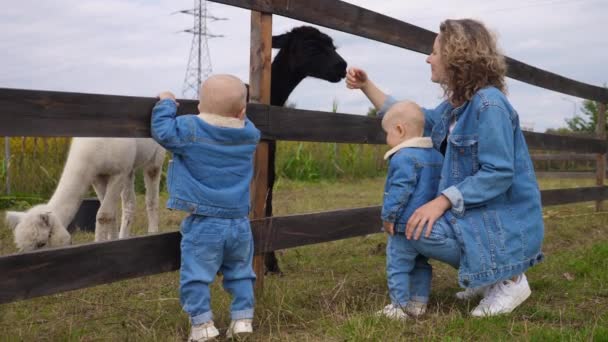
[
  {"x": 420, "y": 142},
  {"x": 440, "y": 130}
]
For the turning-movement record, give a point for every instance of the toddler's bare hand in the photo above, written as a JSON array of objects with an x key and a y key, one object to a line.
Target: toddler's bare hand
[
  {"x": 389, "y": 227},
  {"x": 166, "y": 95}
]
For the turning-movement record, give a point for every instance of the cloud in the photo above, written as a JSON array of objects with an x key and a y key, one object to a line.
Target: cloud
[{"x": 131, "y": 47}]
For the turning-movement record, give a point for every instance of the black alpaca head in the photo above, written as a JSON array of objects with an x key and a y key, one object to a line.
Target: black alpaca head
[{"x": 309, "y": 52}]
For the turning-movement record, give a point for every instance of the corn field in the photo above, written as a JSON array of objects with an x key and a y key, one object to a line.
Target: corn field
[{"x": 35, "y": 164}]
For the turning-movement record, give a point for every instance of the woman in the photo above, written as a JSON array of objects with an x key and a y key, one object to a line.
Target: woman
[{"x": 487, "y": 218}]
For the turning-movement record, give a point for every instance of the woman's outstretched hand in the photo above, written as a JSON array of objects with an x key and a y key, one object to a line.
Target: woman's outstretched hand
[
  {"x": 356, "y": 78},
  {"x": 426, "y": 215}
]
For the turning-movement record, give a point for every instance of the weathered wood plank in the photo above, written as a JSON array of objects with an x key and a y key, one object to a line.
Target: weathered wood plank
[
  {"x": 52, "y": 271},
  {"x": 305, "y": 125},
  {"x": 46, "y": 272},
  {"x": 563, "y": 156},
  {"x": 345, "y": 17},
  {"x": 283, "y": 232},
  {"x": 600, "y": 160},
  {"x": 44, "y": 113},
  {"x": 259, "y": 88},
  {"x": 574, "y": 195},
  {"x": 554, "y": 142},
  {"x": 566, "y": 174},
  {"x": 51, "y": 113}
]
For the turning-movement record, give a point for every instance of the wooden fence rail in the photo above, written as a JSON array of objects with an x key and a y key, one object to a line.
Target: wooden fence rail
[
  {"x": 345, "y": 17},
  {"x": 48, "y": 113}
]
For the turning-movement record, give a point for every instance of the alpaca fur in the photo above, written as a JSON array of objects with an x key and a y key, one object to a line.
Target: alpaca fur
[{"x": 109, "y": 165}]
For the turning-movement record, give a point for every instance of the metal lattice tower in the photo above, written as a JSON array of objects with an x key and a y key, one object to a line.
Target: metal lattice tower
[{"x": 199, "y": 63}]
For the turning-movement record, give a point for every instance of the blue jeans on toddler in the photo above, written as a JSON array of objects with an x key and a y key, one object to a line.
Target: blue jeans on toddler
[
  {"x": 408, "y": 271},
  {"x": 212, "y": 244}
]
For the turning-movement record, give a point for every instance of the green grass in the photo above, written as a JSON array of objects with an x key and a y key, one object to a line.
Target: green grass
[{"x": 330, "y": 291}]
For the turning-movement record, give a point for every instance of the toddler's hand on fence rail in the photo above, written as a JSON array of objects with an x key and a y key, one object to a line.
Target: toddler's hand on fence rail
[
  {"x": 389, "y": 227},
  {"x": 356, "y": 78},
  {"x": 426, "y": 215},
  {"x": 167, "y": 95}
]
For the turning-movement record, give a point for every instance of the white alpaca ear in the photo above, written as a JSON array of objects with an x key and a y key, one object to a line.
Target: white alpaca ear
[
  {"x": 13, "y": 218},
  {"x": 45, "y": 218}
]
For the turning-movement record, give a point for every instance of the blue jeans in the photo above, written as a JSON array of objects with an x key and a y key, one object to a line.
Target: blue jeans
[
  {"x": 408, "y": 271},
  {"x": 212, "y": 244}
]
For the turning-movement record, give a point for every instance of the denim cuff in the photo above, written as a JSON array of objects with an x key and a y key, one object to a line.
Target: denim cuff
[
  {"x": 202, "y": 318},
  {"x": 388, "y": 217},
  {"x": 167, "y": 101},
  {"x": 388, "y": 103},
  {"x": 242, "y": 314},
  {"x": 419, "y": 299},
  {"x": 455, "y": 197}
]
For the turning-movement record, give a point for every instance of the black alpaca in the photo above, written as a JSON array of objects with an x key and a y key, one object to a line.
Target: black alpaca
[{"x": 304, "y": 52}]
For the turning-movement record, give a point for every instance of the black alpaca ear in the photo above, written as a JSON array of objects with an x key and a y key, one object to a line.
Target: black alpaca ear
[{"x": 280, "y": 41}]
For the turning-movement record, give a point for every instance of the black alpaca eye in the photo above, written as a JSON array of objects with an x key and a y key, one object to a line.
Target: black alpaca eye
[{"x": 40, "y": 244}]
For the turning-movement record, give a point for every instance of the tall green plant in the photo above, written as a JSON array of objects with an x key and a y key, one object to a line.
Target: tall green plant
[
  {"x": 300, "y": 165},
  {"x": 586, "y": 121}
]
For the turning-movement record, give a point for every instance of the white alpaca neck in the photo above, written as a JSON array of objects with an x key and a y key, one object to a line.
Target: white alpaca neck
[{"x": 73, "y": 184}]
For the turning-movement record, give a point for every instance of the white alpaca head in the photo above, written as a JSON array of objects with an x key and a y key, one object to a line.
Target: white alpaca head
[{"x": 37, "y": 228}]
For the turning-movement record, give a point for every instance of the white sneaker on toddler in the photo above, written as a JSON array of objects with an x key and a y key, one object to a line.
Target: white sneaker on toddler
[
  {"x": 473, "y": 293},
  {"x": 203, "y": 332},
  {"x": 415, "y": 309},
  {"x": 393, "y": 312},
  {"x": 503, "y": 297},
  {"x": 239, "y": 327}
]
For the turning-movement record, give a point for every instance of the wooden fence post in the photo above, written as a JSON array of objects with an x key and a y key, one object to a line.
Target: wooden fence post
[
  {"x": 600, "y": 130},
  {"x": 259, "y": 92},
  {"x": 7, "y": 158}
]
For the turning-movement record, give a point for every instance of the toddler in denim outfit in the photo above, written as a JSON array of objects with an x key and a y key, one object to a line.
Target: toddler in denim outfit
[
  {"x": 209, "y": 177},
  {"x": 412, "y": 180}
]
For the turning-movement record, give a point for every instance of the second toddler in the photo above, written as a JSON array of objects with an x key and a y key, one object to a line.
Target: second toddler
[{"x": 412, "y": 180}]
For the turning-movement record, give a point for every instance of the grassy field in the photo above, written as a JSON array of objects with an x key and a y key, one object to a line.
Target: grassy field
[{"x": 331, "y": 291}]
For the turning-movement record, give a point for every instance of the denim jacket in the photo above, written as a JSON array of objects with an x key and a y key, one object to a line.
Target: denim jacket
[
  {"x": 488, "y": 177},
  {"x": 412, "y": 179},
  {"x": 212, "y": 161}
]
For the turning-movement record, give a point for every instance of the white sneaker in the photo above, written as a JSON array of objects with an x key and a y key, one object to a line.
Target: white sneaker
[
  {"x": 473, "y": 293},
  {"x": 503, "y": 297},
  {"x": 203, "y": 332},
  {"x": 415, "y": 309},
  {"x": 393, "y": 312},
  {"x": 239, "y": 327}
]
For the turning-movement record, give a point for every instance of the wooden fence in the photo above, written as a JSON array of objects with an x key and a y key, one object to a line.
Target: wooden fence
[{"x": 46, "y": 113}]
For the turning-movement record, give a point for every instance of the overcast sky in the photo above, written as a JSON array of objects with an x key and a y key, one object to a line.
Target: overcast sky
[{"x": 131, "y": 47}]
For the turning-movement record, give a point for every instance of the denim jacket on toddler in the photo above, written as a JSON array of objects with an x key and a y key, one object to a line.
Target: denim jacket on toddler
[
  {"x": 413, "y": 177},
  {"x": 489, "y": 178},
  {"x": 212, "y": 161}
]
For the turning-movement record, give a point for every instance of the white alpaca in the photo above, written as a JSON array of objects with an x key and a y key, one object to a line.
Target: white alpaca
[{"x": 109, "y": 165}]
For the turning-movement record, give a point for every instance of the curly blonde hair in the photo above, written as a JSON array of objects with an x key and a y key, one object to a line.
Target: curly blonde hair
[{"x": 471, "y": 58}]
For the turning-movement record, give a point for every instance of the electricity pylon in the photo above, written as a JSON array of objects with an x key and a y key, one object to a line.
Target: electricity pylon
[{"x": 199, "y": 63}]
